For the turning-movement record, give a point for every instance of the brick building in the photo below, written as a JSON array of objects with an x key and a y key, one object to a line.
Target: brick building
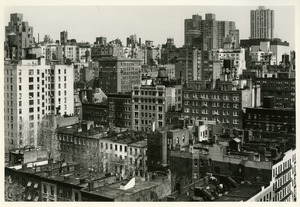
[
  {"x": 95, "y": 112},
  {"x": 269, "y": 119},
  {"x": 282, "y": 87},
  {"x": 119, "y": 110},
  {"x": 150, "y": 102},
  {"x": 220, "y": 101}
]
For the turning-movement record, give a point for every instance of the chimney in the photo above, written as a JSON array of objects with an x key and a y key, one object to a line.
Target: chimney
[
  {"x": 91, "y": 185},
  {"x": 24, "y": 166},
  {"x": 274, "y": 152},
  {"x": 82, "y": 181}
]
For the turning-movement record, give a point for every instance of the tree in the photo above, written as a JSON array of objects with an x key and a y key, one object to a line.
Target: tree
[
  {"x": 26, "y": 135},
  {"x": 47, "y": 137},
  {"x": 13, "y": 191},
  {"x": 47, "y": 39}
]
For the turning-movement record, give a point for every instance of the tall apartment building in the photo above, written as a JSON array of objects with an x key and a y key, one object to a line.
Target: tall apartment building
[
  {"x": 119, "y": 74},
  {"x": 33, "y": 90},
  {"x": 150, "y": 102},
  {"x": 193, "y": 24},
  {"x": 187, "y": 66},
  {"x": 209, "y": 31},
  {"x": 18, "y": 35},
  {"x": 261, "y": 23},
  {"x": 63, "y": 37}
]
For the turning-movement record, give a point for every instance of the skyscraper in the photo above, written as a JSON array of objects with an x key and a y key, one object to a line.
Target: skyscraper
[
  {"x": 262, "y": 23},
  {"x": 208, "y": 33}
]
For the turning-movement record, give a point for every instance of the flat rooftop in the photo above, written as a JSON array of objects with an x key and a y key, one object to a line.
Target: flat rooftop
[{"x": 113, "y": 191}]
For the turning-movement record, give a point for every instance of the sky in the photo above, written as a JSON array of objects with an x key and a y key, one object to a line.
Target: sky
[{"x": 157, "y": 23}]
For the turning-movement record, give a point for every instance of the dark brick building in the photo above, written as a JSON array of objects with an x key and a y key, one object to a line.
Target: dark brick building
[
  {"x": 282, "y": 87},
  {"x": 119, "y": 110},
  {"x": 269, "y": 119},
  {"x": 220, "y": 101},
  {"x": 95, "y": 112}
]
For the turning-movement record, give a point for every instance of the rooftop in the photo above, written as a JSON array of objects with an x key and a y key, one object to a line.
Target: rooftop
[{"x": 113, "y": 191}]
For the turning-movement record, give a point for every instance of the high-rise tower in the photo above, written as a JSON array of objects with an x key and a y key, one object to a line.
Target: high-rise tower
[
  {"x": 18, "y": 36},
  {"x": 262, "y": 23}
]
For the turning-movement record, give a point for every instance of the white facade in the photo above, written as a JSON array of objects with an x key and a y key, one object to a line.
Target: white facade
[
  {"x": 70, "y": 52},
  {"x": 260, "y": 56},
  {"x": 283, "y": 184},
  {"x": 238, "y": 55},
  {"x": 81, "y": 53},
  {"x": 276, "y": 50},
  {"x": 202, "y": 133},
  {"x": 32, "y": 91},
  {"x": 127, "y": 156}
]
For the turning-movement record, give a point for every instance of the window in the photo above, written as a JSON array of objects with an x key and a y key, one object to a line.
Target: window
[
  {"x": 30, "y": 87},
  {"x": 76, "y": 196},
  {"x": 60, "y": 193},
  {"x": 45, "y": 188},
  {"x": 51, "y": 190}
]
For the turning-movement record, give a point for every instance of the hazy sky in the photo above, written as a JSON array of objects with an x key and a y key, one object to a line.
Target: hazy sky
[{"x": 157, "y": 23}]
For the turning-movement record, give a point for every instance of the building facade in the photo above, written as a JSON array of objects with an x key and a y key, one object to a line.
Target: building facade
[
  {"x": 33, "y": 90},
  {"x": 222, "y": 103},
  {"x": 18, "y": 36},
  {"x": 119, "y": 74},
  {"x": 119, "y": 110},
  {"x": 150, "y": 104},
  {"x": 262, "y": 23}
]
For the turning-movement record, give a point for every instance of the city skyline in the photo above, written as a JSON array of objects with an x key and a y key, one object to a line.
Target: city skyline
[
  {"x": 209, "y": 119},
  {"x": 121, "y": 21}
]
